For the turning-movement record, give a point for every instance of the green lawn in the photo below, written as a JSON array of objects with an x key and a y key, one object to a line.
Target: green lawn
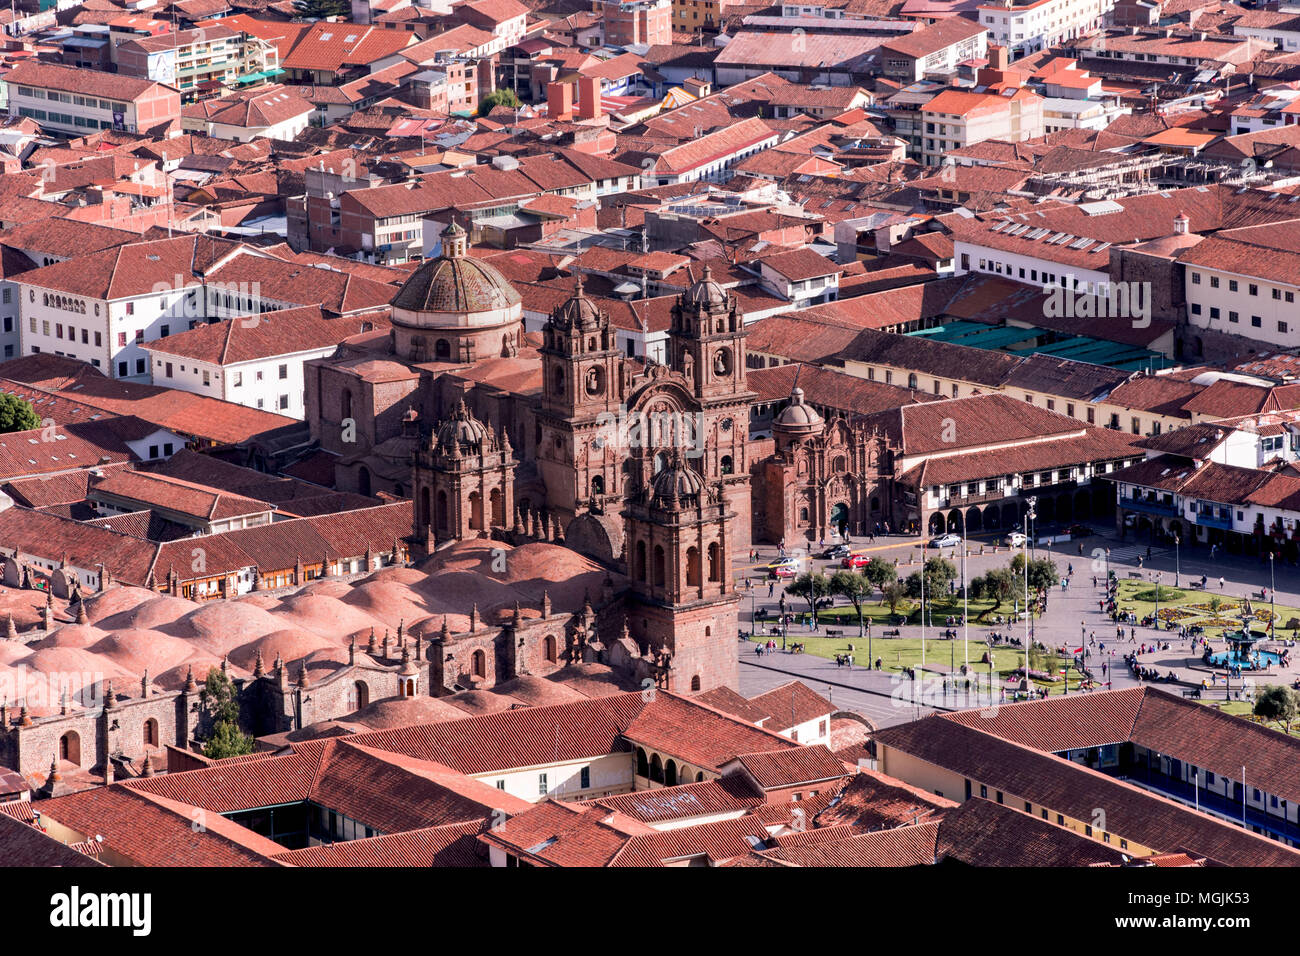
[
  {"x": 896, "y": 653},
  {"x": 1192, "y": 606},
  {"x": 844, "y": 615}
]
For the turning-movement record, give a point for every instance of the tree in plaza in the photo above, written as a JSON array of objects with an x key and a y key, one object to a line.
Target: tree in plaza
[
  {"x": 321, "y": 9},
  {"x": 853, "y": 586},
  {"x": 497, "y": 98},
  {"x": 1042, "y": 572},
  {"x": 881, "y": 574},
  {"x": 1277, "y": 703},
  {"x": 17, "y": 414},
  {"x": 999, "y": 584},
  {"x": 810, "y": 587},
  {"x": 939, "y": 574},
  {"x": 224, "y": 738},
  {"x": 893, "y": 594}
]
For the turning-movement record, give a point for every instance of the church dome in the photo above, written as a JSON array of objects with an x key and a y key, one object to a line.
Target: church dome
[
  {"x": 677, "y": 480},
  {"x": 798, "y": 414},
  {"x": 705, "y": 292},
  {"x": 578, "y": 311},
  {"x": 461, "y": 431},
  {"x": 454, "y": 284}
]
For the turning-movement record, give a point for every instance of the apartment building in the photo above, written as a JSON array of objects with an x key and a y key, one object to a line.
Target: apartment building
[
  {"x": 957, "y": 118},
  {"x": 630, "y": 22},
  {"x": 1025, "y": 28},
  {"x": 200, "y": 61},
  {"x": 934, "y": 50},
  {"x": 76, "y": 102}
]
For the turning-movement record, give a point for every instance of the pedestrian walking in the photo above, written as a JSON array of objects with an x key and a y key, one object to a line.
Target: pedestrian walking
[
  {"x": 771, "y": 585},
  {"x": 1220, "y": 584}
]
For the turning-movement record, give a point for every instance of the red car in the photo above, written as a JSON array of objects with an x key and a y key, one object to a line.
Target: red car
[{"x": 855, "y": 561}]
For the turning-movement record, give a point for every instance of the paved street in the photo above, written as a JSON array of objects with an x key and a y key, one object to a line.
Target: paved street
[{"x": 1072, "y": 616}]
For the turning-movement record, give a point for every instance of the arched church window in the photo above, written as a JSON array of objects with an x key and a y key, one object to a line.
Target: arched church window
[
  {"x": 597, "y": 484},
  {"x": 557, "y": 379},
  {"x": 725, "y": 465},
  {"x": 911, "y": 380},
  {"x": 442, "y": 349}
]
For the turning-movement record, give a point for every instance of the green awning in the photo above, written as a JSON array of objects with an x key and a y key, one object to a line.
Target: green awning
[{"x": 260, "y": 75}]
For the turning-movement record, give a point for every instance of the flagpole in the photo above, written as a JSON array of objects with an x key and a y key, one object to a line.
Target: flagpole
[{"x": 965, "y": 604}]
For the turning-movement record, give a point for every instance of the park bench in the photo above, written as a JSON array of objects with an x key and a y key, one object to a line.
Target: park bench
[
  {"x": 1192, "y": 692},
  {"x": 1197, "y": 584},
  {"x": 1257, "y": 595},
  {"x": 833, "y": 633},
  {"x": 1135, "y": 574},
  {"x": 893, "y": 633}
]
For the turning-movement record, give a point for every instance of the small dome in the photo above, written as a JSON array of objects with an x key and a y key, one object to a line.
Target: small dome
[
  {"x": 578, "y": 311},
  {"x": 798, "y": 414},
  {"x": 677, "y": 480},
  {"x": 705, "y": 292},
  {"x": 462, "y": 430}
]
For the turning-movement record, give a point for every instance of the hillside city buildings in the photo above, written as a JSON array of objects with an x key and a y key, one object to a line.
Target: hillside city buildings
[{"x": 445, "y": 380}]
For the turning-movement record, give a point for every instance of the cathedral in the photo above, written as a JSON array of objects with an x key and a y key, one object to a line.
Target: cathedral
[{"x": 495, "y": 433}]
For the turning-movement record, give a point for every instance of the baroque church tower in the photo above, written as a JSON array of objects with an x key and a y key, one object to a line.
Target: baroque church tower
[
  {"x": 684, "y": 608},
  {"x": 463, "y": 482},
  {"x": 582, "y": 389}
]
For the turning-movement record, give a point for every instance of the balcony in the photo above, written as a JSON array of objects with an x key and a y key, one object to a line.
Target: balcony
[
  {"x": 1211, "y": 521},
  {"x": 1150, "y": 507}
]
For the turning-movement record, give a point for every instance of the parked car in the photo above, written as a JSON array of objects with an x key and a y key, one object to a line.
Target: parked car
[
  {"x": 1015, "y": 539},
  {"x": 784, "y": 568},
  {"x": 1077, "y": 530},
  {"x": 947, "y": 541},
  {"x": 855, "y": 561}
]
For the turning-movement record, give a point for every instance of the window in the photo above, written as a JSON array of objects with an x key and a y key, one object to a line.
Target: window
[
  {"x": 284, "y": 371},
  {"x": 168, "y": 369},
  {"x": 541, "y": 784},
  {"x": 284, "y": 401},
  {"x": 501, "y": 784},
  {"x": 984, "y": 791},
  {"x": 1196, "y": 278},
  {"x": 139, "y": 367},
  {"x": 239, "y": 379},
  {"x": 585, "y": 778},
  {"x": 1232, "y": 285},
  {"x": 1214, "y": 282},
  {"x": 121, "y": 339},
  {"x": 164, "y": 330}
]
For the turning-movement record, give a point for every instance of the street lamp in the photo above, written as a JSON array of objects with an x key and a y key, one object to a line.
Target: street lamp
[
  {"x": 1176, "y": 559},
  {"x": 1156, "y": 621},
  {"x": 1272, "y": 598},
  {"x": 1029, "y": 614},
  {"x": 782, "y": 606}
]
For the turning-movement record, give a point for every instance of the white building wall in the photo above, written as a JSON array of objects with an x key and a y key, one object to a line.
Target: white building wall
[{"x": 1268, "y": 315}]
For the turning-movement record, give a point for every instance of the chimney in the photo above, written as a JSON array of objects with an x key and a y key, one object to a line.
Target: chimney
[
  {"x": 997, "y": 57},
  {"x": 559, "y": 101},
  {"x": 589, "y": 97}
]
